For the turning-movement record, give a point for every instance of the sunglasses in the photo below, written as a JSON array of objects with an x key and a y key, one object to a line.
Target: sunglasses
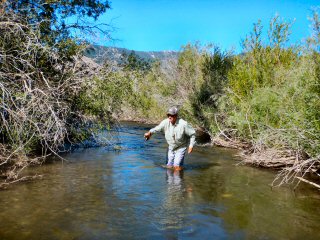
[{"x": 169, "y": 115}]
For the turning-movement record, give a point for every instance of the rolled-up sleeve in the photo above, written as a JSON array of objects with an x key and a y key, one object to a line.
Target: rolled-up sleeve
[{"x": 189, "y": 131}]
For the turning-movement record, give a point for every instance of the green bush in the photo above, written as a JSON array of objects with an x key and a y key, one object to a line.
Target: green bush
[{"x": 272, "y": 94}]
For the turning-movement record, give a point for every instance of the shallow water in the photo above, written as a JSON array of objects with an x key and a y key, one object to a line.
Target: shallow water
[{"x": 104, "y": 194}]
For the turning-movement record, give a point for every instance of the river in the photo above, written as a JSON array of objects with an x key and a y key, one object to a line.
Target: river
[{"x": 98, "y": 193}]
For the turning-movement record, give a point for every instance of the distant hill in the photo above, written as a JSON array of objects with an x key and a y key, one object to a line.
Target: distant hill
[{"x": 101, "y": 53}]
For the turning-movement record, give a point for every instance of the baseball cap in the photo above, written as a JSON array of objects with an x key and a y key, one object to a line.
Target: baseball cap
[{"x": 172, "y": 111}]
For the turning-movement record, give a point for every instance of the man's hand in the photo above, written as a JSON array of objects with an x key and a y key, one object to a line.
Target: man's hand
[
  {"x": 190, "y": 150},
  {"x": 147, "y": 135}
]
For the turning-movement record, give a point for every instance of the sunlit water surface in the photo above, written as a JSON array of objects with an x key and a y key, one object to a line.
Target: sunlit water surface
[{"x": 105, "y": 194}]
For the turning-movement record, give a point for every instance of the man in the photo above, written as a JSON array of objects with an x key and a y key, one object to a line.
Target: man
[{"x": 179, "y": 135}]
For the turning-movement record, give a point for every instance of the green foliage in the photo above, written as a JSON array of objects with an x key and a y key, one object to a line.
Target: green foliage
[
  {"x": 104, "y": 95},
  {"x": 314, "y": 40},
  {"x": 215, "y": 67},
  {"x": 159, "y": 83},
  {"x": 256, "y": 67},
  {"x": 272, "y": 95},
  {"x": 51, "y": 15},
  {"x": 204, "y": 100},
  {"x": 189, "y": 67},
  {"x": 143, "y": 100},
  {"x": 279, "y": 32},
  {"x": 134, "y": 62}
]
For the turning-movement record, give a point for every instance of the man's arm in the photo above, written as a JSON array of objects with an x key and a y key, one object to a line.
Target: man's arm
[
  {"x": 192, "y": 134},
  {"x": 156, "y": 129}
]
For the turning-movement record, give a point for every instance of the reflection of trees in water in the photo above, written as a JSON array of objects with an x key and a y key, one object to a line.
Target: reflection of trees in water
[
  {"x": 210, "y": 184},
  {"x": 218, "y": 187},
  {"x": 71, "y": 203}
]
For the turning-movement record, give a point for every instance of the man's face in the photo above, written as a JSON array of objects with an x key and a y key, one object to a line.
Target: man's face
[{"x": 172, "y": 118}]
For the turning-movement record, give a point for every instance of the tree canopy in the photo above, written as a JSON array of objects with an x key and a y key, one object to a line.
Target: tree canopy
[{"x": 51, "y": 15}]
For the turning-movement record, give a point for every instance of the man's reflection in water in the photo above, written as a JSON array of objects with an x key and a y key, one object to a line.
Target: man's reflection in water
[
  {"x": 177, "y": 185},
  {"x": 174, "y": 208},
  {"x": 175, "y": 179}
]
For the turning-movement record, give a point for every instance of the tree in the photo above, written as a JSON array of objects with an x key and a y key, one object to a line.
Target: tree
[
  {"x": 42, "y": 75},
  {"x": 51, "y": 16},
  {"x": 134, "y": 62}
]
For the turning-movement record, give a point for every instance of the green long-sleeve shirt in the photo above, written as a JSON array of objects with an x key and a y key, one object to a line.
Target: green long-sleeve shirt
[{"x": 177, "y": 135}]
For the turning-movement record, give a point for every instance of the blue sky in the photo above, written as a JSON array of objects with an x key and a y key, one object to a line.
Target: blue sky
[{"x": 156, "y": 25}]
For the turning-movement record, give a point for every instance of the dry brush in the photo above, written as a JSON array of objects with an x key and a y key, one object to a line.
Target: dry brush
[{"x": 38, "y": 84}]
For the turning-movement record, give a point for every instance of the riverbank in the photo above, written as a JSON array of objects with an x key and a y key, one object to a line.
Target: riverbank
[{"x": 291, "y": 165}]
